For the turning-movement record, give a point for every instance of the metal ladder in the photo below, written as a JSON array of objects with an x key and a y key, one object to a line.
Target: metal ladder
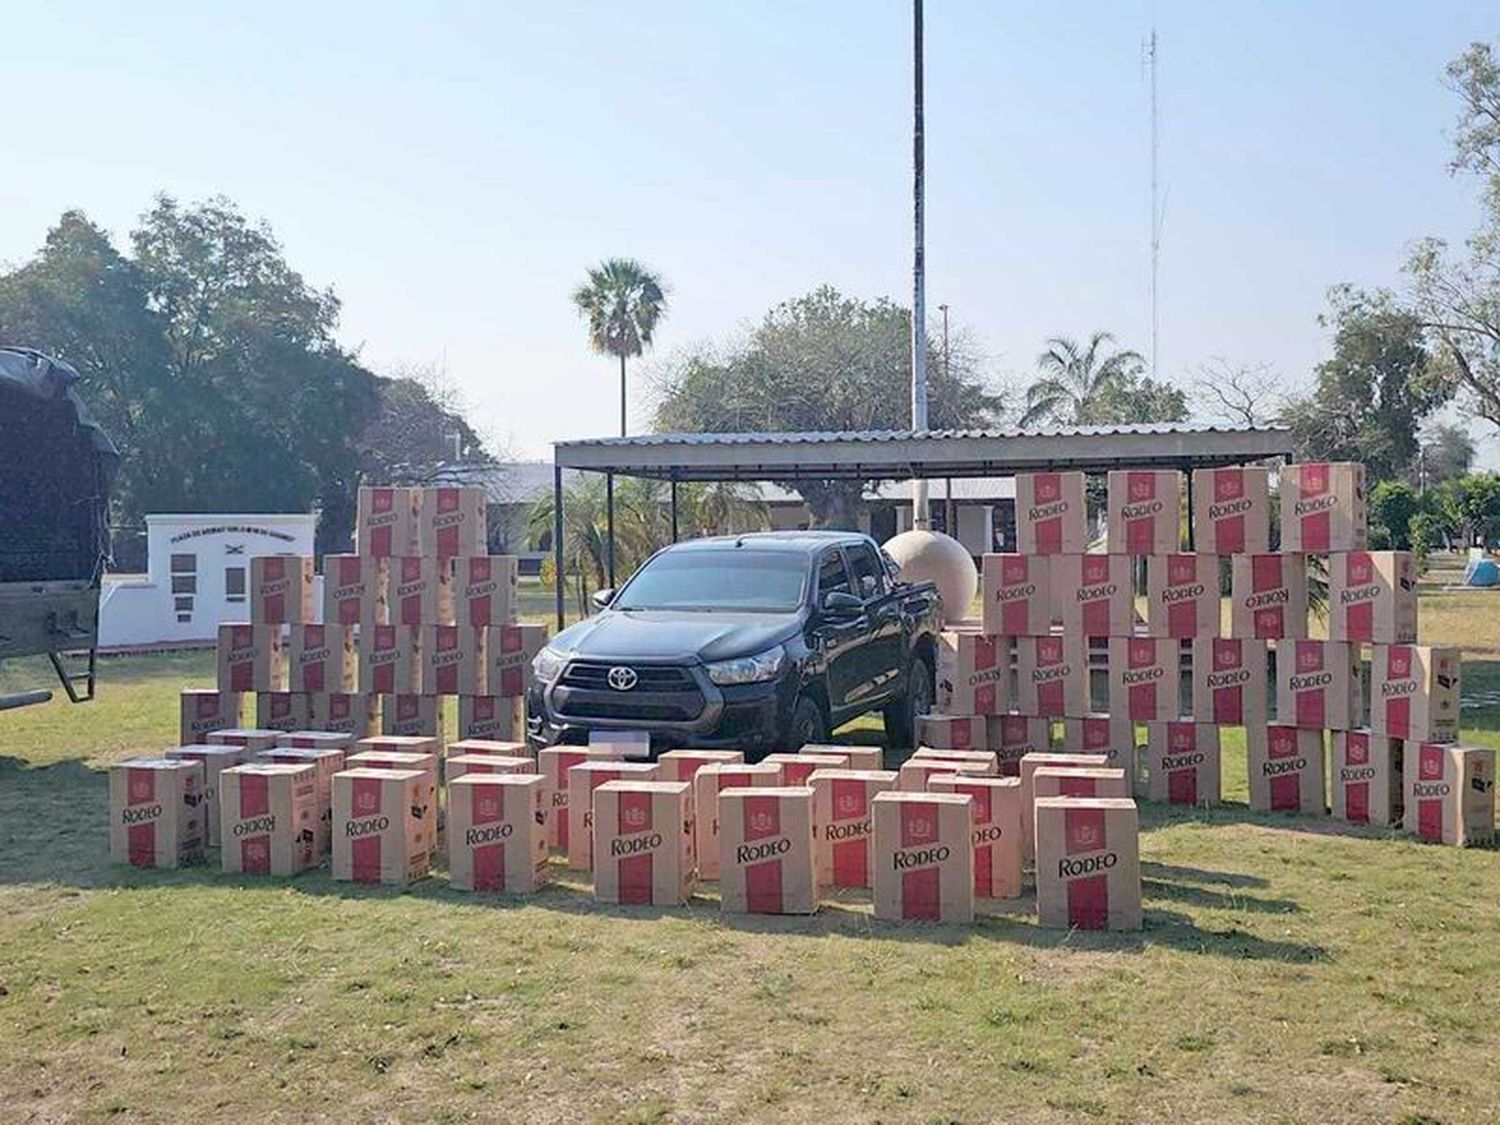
[{"x": 61, "y": 662}]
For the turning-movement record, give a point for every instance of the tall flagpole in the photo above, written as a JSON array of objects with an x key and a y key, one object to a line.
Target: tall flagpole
[{"x": 920, "y": 513}]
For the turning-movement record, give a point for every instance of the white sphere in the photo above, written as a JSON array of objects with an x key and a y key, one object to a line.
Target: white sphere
[{"x": 931, "y": 556}]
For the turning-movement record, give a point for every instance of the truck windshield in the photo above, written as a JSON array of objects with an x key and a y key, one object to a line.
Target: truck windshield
[{"x": 728, "y": 581}]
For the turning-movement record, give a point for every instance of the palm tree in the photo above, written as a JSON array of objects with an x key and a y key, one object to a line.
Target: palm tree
[
  {"x": 622, "y": 300},
  {"x": 1073, "y": 379}
]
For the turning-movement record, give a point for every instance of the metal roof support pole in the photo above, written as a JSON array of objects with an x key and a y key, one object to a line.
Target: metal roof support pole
[
  {"x": 1191, "y": 513},
  {"x": 609, "y": 526},
  {"x": 559, "y": 579},
  {"x": 950, "y": 511},
  {"x": 674, "y": 507}
]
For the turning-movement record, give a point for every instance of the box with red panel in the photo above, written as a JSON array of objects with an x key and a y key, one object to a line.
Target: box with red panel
[
  {"x": 1088, "y": 863},
  {"x": 1077, "y": 781},
  {"x": 643, "y": 843},
  {"x": 503, "y": 748},
  {"x": 1143, "y": 511},
  {"x": 410, "y": 715},
  {"x": 215, "y": 758},
  {"x": 420, "y": 591},
  {"x": 1051, "y": 516},
  {"x": 321, "y": 658},
  {"x": 385, "y": 525},
  {"x": 156, "y": 814},
  {"x": 1232, "y": 510},
  {"x": 484, "y": 590},
  {"x": 389, "y": 659},
  {"x": 841, "y": 815},
  {"x": 973, "y": 673},
  {"x": 251, "y": 658},
  {"x": 451, "y": 521},
  {"x": 1366, "y": 778},
  {"x": 914, "y": 773},
  {"x": 996, "y": 833},
  {"x": 1012, "y": 737},
  {"x": 797, "y": 768},
  {"x": 203, "y": 711},
  {"x": 1145, "y": 678},
  {"x": 1230, "y": 682},
  {"x": 1286, "y": 769},
  {"x": 456, "y": 766},
  {"x": 354, "y": 591},
  {"x": 767, "y": 861},
  {"x": 1017, "y": 596},
  {"x": 345, "y": 712},
  {"x": 951, "y": 732},
  {"x": 315, "y": 740},
  {"x": 922, "y": 857},
  {"x": 281, "y": 589},
  {"x": 1052, "y": 676},
  {"x": 553, "y": 763},
  {"x": 707, "y": 783},
  {"x": 491, "y": 717},
  {"x": 683, "y": 765},
  {"x": 497, "y": 832},
  {"x": 987, "y": 760},
  {"x": 1449, "y": 793},
  {"x": 1268, "y": 596},
  {"x": 1323, "y": 507},
  {"x": 1182, "y": 762},
  {"x": 1372, "y": 597},
  {"x": 1044, "y": 759},
  {"x": 381, "y": 826},
  {"x": 1111, "y": 735},
  {"x": 508, "y": 653},
  {"x": 246, "y": 738},
  {"x": 282, "y": 710},
  {"x": 582, "y": 780},
  {"x": 397, "y": 752},
  {"x": 1182, "y": 596},
  {"x": 452, "y": 660},
  {"x": 1414, "y": 692},
  {"x": 1093, "y": 595},
  {"x": 325, "y": 760},
  {"x": 1317, "y": 685},
  {"x": 856, "y": 757},
  {"x": 269, "y": 818}
]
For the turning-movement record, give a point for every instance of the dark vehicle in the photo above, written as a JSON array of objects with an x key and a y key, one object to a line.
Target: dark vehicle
[{"x": 751, "y": 642}]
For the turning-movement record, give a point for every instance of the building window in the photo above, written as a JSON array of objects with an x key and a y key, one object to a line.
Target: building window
[
  {"x": 184, "y": 618},
  {"x": 184, "y": 583},
  {"x": 234, "y": 583},
  {"x": 184, "y": 564},
  {"x": 183, "y": 605}
]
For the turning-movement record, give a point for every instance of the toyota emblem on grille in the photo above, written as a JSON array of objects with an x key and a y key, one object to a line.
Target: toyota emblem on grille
[{"x": 621, "y": 678}]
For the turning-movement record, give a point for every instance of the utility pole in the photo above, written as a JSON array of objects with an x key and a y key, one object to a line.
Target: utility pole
[
  {"x": 944, "y": 310},
  {"x": 1156, "y": 215},
  {"x": 920, "y": 514}
]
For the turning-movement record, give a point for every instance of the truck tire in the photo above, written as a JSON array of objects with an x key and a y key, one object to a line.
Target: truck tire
[
  {"x": 807, "y": 725},
  {"x": 901, "y": 716}
]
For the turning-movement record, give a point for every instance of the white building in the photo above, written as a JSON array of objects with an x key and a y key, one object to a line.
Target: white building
[{"x": 197, "y": 574}]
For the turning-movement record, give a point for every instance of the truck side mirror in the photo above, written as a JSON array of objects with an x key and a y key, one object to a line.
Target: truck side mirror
[
  {"x": 840, "y": 605},
  {"x": 602, "y": 598}
]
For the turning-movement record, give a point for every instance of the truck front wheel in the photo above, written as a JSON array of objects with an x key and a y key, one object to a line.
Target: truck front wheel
[
  {"x": 901, "y": 716},
  {"x": 807, "y": 726}
]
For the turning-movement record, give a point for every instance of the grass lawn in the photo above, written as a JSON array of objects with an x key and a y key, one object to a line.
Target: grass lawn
[{"x": 1289, "y": 970}]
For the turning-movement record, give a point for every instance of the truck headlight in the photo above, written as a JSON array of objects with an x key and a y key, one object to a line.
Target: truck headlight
[
  {"x": 748, "y": 669},
  {"x": 546, "y": 664}
]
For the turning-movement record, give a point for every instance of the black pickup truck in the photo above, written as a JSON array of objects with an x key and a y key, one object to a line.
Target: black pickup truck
[{"x": 752, "y": 642}]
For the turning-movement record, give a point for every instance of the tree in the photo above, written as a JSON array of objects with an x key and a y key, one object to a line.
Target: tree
[
  {"x": 1132, "y": 399},
  {"x": 823, "y": 362},
  {"x": 1243, "y": 394},
  {"x": 1472, "y": 506},
  {"x": 1074, "y": 380},
  {"x": 1447, "y": 451},
  {"x": 1392, "y": 506},
  {"x": 622, "y": 301}
]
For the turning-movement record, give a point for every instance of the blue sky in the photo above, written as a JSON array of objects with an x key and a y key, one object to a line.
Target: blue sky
[{"x": 452, "y": 173}]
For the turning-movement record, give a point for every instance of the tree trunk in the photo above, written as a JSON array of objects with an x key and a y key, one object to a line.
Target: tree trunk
[
  {"x": 837, "y": 504},
  {"x": 622, "y": 396}
]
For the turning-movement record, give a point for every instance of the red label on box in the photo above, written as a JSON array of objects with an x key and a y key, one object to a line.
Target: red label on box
[
  {"x": 763, "y": 880},
  {"x": 1088, "y": 897}
]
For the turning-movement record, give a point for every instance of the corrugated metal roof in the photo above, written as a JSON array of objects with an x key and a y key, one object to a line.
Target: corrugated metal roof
[{"x": 828, "y": 437}]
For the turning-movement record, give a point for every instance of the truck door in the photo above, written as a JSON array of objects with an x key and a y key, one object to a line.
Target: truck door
[
  {"x": 840, "y": 641},
  {"x": 884, "y": 651}
]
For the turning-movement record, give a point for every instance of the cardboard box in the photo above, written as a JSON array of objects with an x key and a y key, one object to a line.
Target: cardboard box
[
  {"x": 1017, "y": 595},
  {"x": 1036, "y": 760},
  {"x": 1232, "y": 510},
  {"x": 583, "y": 779},
  {"x": 1414, "y": 692},
  {"x": 1366, "y": 778},
  {"x": 1088, "y": 863},
  {"x": 841, "y": 818},
  {"x": 1088, "y": 782},
  {"x": 389, "y": 660},
  {"x": 156, "y": 812},
  {"x": 282, "y": 710},
  {"x": 1051, "y": 517},
  {"x": 321, "y": 658},
  {"x": 456, "y": 766},
  {"x": 1143, "y": 512},
  {"x": 553, "y": 763},
  {"x": 1012, "y": 737},
  {"x": 417, "y": 716},
  {"x": 797, "y": 768},
  {"x": 1449, "y": 793},
  {"x": 914, "y": 773},
  {"x": 1230, "y": 681},
  {"x": 1094, "y": 595},
  {"x": 1268, "y": 596},
  {"x": 493, "y": 747},
  {"x": 1286, "y": 769},
  {"x": 354, "y": 591},
  {"x": 707, "y": 784},
  {"x": 315, "y": 740},
  {"x": 452, "y": 660},
  {"x": 281, "y": 589},
  {"x": 643, "y": 843},
  {"x": 973, "y": 674},
  {"x": 951, "y": 732},
  {"x": 484, "y": 590},
  {"x": 683, "y": 765},
  {"x": 497, "y": 832},
  {"x": 1323, "y": 507},
  {"x": 1182, "y": 762},
  {"x": 381, "y": 821},
  {"x": 1113, "y": 736},
  {"x": 923, "y": 857},
  {"x": 1372, "y": 597},
  {"x": 215, "y": 758},
  {"x": 345, "y": 713},
  {"x": 386, "y": 522},
  {"x": 857, "y": 757},
  {"x": 451, "y": 521},
  {"x": 269, "y": 814},
  {"x": 766, "y": 855},
  {"x": 251, "y": 658},
  {"x": 996, "y": 834},
  {"x": 325, "y": 761},
  {"x": 246, "y": 738},
  {"x": 1145, "y": 677},
  {"x": 1182, "y": 596},
  {"x": 989, "y": 760},
  {"x": 1052, "y": 676},
  {"x": 509, "y": 651},
  {"x": 404, "y": 752},
  {"x": 203, "y": 711},
  {"x": 1317, "y": 685},
  {"x": 492, "y": 717},
  {"x": 420, "y": 591}
]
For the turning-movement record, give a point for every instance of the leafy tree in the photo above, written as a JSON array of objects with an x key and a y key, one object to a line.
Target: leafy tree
[
  {"x": 622, "y": 301},
  {"x": 1471, "y": 505},
  {"x": 1075, "y": 381},
  {"x": 1446, "y": 452},
  {"x": 1138, "y": 398},
  {"x": 823, "y": 362},
  {"x": 1392, "y": 506}
]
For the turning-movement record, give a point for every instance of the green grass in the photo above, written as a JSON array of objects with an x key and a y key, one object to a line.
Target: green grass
[{"x": 1289, "y": 970}]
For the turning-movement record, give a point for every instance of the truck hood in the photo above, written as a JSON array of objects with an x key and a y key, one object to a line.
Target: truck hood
[{"x": 677, "y": 637}]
